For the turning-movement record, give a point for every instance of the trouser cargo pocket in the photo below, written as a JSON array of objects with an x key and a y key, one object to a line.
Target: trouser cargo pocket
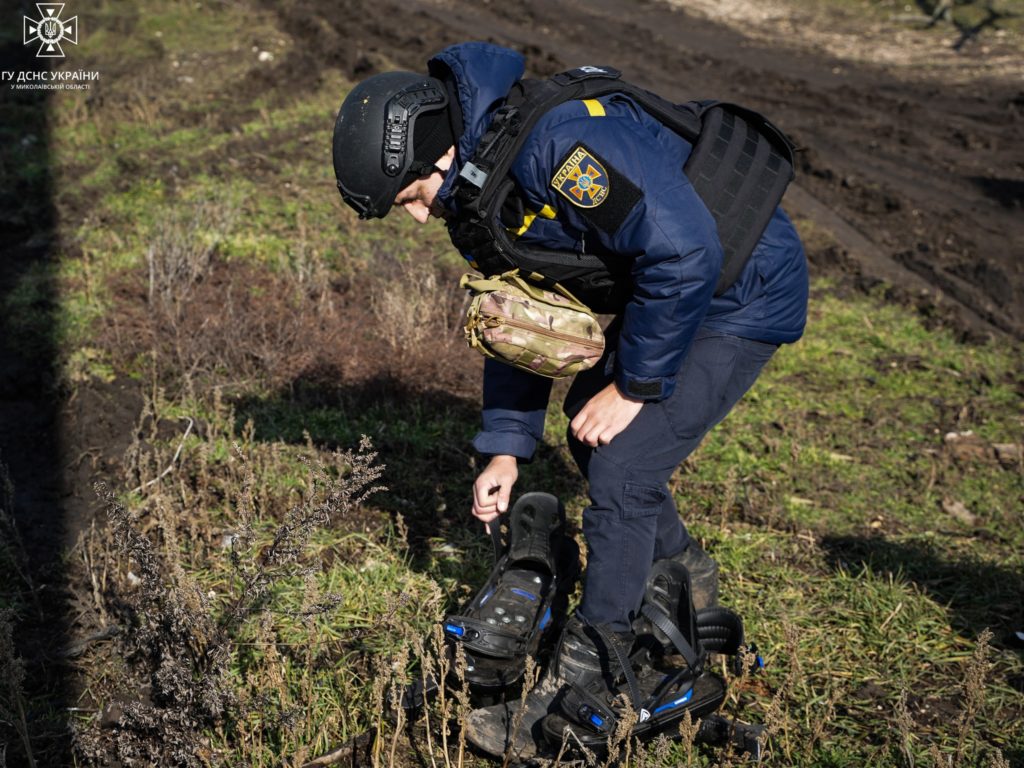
[{"x": 641, "y": 500}]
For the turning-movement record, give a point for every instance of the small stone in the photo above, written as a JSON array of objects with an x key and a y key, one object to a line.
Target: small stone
[
  {"x": 966, "y": 446},
  {"x": 953, "y": 437},
  {"x": 958, "y": 510},
  {"x": 265, "y": 56},
  {"x": 1009, "y": 454}
]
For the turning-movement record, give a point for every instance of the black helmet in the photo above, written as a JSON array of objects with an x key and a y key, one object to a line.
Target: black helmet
[{"x": 375, "y": 156}]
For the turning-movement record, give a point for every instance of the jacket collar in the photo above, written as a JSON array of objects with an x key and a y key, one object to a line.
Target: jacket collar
[{"x": 483, "y": 75}]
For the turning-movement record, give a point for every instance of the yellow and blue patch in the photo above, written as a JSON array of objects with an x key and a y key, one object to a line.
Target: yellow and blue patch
[{"x": 582, "y": 179}]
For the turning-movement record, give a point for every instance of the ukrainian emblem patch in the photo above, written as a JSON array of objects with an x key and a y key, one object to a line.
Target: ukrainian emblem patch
[{"x": 582, "y": 179}]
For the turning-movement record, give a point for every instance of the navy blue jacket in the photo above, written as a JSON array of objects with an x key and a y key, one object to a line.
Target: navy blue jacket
[{"x": 668, "y": 235}]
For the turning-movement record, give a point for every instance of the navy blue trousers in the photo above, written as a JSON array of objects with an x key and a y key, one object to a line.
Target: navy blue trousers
[{"x": 632, "y": 519}]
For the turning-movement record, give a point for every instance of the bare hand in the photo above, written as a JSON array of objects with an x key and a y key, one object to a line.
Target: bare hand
[
  {"x": 605, "y": 415},
  {"x": 493, "y": 487}
]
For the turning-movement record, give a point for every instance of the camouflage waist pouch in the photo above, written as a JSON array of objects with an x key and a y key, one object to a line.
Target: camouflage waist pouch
[{"x": 547, "y": 332}]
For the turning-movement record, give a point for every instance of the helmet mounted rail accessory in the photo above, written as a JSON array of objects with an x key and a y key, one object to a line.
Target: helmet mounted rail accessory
[{"x": 398, "y": 164}]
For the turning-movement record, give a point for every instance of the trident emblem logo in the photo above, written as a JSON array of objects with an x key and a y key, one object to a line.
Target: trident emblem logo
[{"x": 50, "y": 30}]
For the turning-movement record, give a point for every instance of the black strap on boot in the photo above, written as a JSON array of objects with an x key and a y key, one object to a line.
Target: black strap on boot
[{"x": 664, "y": 623}]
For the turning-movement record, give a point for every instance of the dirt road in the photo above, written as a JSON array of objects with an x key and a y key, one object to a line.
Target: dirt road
[{"x": 916, "y": 174}]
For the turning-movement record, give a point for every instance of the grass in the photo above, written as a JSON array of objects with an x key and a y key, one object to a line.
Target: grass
[
  {"x": 831, "y": 537},
  {"x": 824, "y": 495},
  {"x": 884, "y": 394}
]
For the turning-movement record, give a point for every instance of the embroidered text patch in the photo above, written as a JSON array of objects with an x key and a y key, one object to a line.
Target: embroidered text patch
[{"x": 582, "y": 179}]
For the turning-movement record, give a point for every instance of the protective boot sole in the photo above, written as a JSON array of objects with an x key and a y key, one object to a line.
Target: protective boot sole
[
  {"x": 514, "y": 726},
  {"x": 708, "y": 693},
  {"x": 523, "y": 602}
]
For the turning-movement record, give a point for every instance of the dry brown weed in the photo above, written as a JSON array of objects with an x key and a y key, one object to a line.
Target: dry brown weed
[{"x": 179, "y": 638}]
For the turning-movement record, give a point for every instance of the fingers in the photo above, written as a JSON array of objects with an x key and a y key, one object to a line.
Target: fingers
[
  {"x": 594, "y": 432},
  {"x": 581, "y": 428},
  {"x": 480, "y": 489},
  {"x": 490, "y": 500},
  {"x": 604, "y": 416},
  {"x": 493, "y": 489},
  {"x": 590, "y": 430},
  {"x": 485, "y": 518},
  {"x": 484, "y": 513},
  {"x": 486, "y": 495}
]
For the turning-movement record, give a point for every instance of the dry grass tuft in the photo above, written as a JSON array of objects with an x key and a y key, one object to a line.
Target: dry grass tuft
[
  {"x": 206, "y": 322},
  {"x": 12, "y": 700},
  {"x": 182, "y": 638},
  {"x": 178, "y": 651},
  {"x": 973, "y": 694},
  {"x": 414, "y": 307},
  {"x": 181, "y": 252}
]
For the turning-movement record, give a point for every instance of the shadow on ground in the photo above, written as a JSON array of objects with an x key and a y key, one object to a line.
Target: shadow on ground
[
  {"x": 422, "y": 434},
  {"x": 977, "y": 594},
  {"x": 33, "y": 532}
]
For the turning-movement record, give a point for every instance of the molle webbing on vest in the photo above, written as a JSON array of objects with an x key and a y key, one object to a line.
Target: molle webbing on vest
[
  {"x": 737, "y": 174},
  {"x": 740, "y": 167}
]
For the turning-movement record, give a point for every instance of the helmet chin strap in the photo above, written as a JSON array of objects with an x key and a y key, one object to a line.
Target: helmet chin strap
[{"x": 423, "y": 169}]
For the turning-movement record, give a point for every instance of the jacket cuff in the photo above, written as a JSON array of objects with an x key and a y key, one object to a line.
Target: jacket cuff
[
  {"x": 505, "y": 444},
  {"x": 645, "y": 388}
]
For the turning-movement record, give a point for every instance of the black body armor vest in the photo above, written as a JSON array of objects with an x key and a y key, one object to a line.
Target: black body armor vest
[{"x": 740, "y": 167}]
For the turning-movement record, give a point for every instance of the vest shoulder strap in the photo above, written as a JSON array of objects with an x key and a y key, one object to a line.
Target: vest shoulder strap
[{"x": 529, "y": 100}]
